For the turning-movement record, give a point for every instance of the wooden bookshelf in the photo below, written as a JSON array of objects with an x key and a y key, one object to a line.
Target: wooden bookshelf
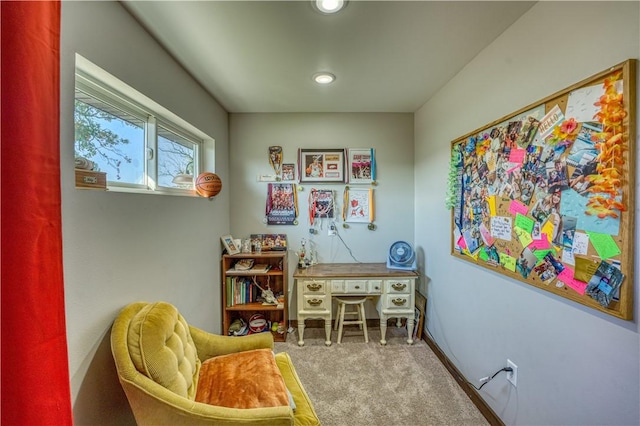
[{"x": 241, "y": 296}]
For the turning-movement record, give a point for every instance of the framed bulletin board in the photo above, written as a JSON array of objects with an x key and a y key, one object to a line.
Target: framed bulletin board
[{"x": 546, "y": 195}]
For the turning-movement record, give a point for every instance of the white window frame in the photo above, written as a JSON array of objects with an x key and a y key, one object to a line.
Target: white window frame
[{"x": 98, "y": 83}]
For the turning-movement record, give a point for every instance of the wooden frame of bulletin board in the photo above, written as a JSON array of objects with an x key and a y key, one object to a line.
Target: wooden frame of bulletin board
[{"x": 546, "y": 195}]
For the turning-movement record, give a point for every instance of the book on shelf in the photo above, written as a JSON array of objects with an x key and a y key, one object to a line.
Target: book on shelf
[
  {"x": 240, "y": 291},
  {"x": 261, "y": 267},
  {"x": 243, "y": 265}
]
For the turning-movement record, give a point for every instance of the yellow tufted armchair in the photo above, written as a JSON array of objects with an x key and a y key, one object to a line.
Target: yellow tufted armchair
[{"x": 176, "y": 374}]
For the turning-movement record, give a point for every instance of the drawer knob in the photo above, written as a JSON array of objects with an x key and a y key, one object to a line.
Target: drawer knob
[
  {"x": 398, "y": 286},
  {"x": 399, "y": 301},
  {"x": 314, "y": 302},
  {"x": 314, "y": 286},
  {"x": 357, "y": 287}
]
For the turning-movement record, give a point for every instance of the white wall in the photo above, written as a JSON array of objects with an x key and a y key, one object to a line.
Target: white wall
[
  {"x": 390, "y": 134},
  {"x": 577, "y": 366},
  {"x": 120, "y": 248}
]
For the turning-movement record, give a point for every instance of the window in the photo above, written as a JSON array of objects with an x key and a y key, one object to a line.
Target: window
[{"x": 140, "y": 145}]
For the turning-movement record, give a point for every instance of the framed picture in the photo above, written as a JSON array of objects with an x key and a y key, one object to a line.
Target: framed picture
[
  {"x": 322, "y": 165},
  {"x": 362, "y": 165},
  {"x": 230, "y": 245},
  {"x": 359, "y": 205},
  {"x": 289, "y": 172}
]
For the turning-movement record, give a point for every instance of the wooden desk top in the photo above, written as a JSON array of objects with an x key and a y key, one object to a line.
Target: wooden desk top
[{"x": 351, "y": 270}]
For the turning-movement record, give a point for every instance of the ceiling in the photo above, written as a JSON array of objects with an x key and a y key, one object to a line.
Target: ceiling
[{"x": 388, "y": 56}]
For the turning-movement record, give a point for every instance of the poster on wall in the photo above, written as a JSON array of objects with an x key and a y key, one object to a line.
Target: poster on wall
[
  {"x": 544, "y": 195},
  {"x": 362, "y": 165},
  {"x": 282, "y": 204}
]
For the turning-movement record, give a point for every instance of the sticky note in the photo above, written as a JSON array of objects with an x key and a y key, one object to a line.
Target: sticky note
[
  {"x": 541, "y": 244},
  {"x": 547, "y": 228},
  {"x": 517, "y": 155},
  {"x": 492, "y": 205},
  {"x": 483, "y": 255},
  {"x": 509, "y": 262},
  {"x": 567, "y": 277},
  {"x": 524, "y": 222},
  {"x": 516, "y": 207},
  {"x": 585, "y": 268},
  {"x": 523, "y": 236},
  {"x": 462, "y": 243},
  {"x": 540, "y": 254},
  {"x": 604, "y": 245}
]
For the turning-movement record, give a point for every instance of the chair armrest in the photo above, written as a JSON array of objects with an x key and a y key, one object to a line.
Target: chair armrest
[{"x": 210, "y": 345}]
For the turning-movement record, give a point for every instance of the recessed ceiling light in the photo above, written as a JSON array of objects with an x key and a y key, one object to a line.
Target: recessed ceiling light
[
  {"x": 329, "y": 6},
  {"x": 324, "y": 78}
]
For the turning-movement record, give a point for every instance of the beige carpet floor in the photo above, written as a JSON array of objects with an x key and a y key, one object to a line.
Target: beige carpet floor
[{"x": 357, "y": 383}]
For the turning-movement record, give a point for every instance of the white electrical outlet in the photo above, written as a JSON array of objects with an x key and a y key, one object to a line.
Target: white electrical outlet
[
  {"x": 512, "y": 376},
  {"x": 332, "y": 230}
]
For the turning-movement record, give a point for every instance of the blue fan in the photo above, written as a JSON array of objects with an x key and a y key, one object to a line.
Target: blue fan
[{"x": 401, "y": 256}]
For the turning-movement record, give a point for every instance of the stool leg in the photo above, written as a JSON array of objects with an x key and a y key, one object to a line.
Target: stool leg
[
  {"x": 341, "y": 324},
  {"x": 363, "y": 318}
]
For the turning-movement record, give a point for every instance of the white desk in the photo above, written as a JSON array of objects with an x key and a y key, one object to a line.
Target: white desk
[{"x": 394, "y": 290}]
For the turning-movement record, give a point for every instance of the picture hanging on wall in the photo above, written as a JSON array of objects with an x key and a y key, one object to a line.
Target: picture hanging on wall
[
  {"x": 322, "y": 165},
  {"x": 362, "y": 165},
  {"x": 282, "y": 204},
  {"x": 358, "y": 205},
  {"x": 321, "y": 205},
  {"x": 288, "y": 172}
]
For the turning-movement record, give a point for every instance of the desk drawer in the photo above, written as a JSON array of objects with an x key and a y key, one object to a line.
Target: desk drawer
[
  {"x": 398, "y": 301},
  {"x": 356, "y": 286},
  {"x": 374, "y": 286},
  {"x": 397, "y": 286},
  {"x": 314, "y": 303},
  {"x": 314, "y": 287}
]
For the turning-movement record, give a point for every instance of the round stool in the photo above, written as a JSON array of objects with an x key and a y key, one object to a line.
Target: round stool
[{"x": 358, "y": 302}]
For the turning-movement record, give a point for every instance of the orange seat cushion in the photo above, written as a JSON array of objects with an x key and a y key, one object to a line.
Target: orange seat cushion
[{"x": 249, "y": 379}]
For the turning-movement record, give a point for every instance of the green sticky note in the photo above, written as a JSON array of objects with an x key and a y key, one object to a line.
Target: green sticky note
[
  {"x": 524, "y": 222},
  {"x": 540, "y": 254},
  {"x": 604, "y": 245},
  {"x": 483, "y": 255},
  {"x": 508, "y": 262}
]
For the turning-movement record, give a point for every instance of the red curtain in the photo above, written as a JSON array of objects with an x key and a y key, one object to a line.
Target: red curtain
[{"x": 35, "y": 373}]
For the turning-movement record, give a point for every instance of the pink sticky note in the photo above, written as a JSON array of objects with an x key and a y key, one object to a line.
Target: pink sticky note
[
  {"x": 517, "y": 207},
  {"x": 566, "y": 276},
  {"x": 541, "y": 244},
  {"x": 461, "y": 243},
  {"x": 517, "y": 155}
]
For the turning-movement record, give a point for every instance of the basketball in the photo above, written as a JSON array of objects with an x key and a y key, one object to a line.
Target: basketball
[
  {"x": 257, "y": 323},
  {"x": 208, "y": 184}
]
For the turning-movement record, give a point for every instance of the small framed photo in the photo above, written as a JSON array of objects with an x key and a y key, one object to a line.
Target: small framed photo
[
  {"x": 288, "y": 172},
  {"x": 322, "y": 165},
  {"x": 229, "y": 244},
  {"x": 362, "y": 165}
]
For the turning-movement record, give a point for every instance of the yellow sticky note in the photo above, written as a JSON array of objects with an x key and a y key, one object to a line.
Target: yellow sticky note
[
  {"x": 523, "y": 236},
  {"x": 492, "y": 205},
  {"x": 585, "y": 268},
  {"x": 547, "y": 228},
  {"x": 509, "y": 262}
]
